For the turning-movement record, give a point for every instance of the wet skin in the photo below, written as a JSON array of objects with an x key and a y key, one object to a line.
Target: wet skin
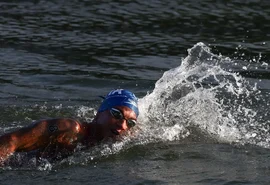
[{"x": 57, "y": 138}]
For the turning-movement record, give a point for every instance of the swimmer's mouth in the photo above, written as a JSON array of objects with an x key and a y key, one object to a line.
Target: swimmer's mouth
[{"x": 115, "y": 132}]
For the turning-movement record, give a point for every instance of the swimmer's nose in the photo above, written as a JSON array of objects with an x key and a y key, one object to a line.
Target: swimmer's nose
[{"x": 122, "y": 125}]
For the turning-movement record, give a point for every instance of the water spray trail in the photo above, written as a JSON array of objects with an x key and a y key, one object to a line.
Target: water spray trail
[{"x": 203, "y": 96}]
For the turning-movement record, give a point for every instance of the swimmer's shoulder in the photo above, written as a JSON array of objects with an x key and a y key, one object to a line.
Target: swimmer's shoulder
[{"x": 54, "y": 125}]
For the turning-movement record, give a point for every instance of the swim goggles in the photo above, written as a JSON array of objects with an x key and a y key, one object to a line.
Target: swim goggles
[{"x": 117, "y": 114}]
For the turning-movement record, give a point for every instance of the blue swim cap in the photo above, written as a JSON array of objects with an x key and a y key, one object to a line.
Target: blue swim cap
[{"x": 120, "y": 97}]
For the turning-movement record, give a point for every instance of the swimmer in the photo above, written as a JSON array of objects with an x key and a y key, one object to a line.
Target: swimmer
[{"x": 57, "y": 138}]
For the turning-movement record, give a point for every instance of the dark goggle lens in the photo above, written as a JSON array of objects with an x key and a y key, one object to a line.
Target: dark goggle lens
[
  {"x": 116, "y": 114},
  {"x": 131, "y": 123}
]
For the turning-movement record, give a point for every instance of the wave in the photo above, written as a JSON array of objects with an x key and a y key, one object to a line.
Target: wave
[{"x": 203, "y": 99}]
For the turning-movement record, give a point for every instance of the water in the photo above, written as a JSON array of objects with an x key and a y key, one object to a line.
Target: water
[{"x": 200, "y": 70}]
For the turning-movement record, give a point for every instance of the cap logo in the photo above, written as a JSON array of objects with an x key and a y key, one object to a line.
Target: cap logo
[{"x": 119, "y": 91}]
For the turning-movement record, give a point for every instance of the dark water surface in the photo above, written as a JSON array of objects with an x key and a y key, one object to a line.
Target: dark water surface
[{"x": 201, "y": 123}]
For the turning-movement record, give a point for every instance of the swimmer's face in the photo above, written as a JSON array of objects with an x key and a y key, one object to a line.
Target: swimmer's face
[{"x": 117, "y": 120}]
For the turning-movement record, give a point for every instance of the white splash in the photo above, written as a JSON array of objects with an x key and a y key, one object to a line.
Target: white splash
[{"x": 202, "y": 96}]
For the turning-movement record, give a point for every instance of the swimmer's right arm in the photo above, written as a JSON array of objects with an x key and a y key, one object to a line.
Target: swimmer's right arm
[{"x": 37, "y": 136}]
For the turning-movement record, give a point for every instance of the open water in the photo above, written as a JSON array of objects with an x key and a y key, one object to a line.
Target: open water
[{"x": 199, "y": 68}]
